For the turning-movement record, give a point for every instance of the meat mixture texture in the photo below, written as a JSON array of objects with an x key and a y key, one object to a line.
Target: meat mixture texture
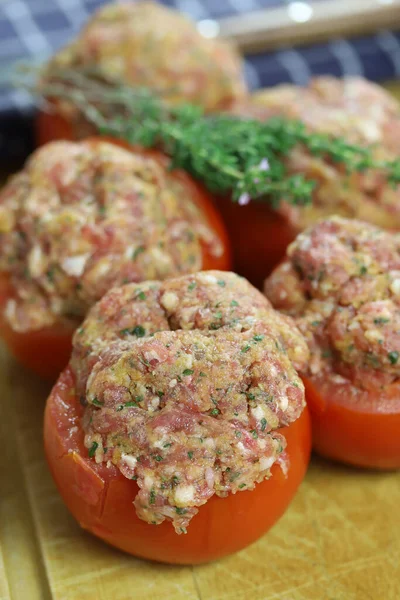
[
  {"x": 361, "y": 113},
  {"x": 185, "y": 384},
  {"x": 147, "y": 44},
  {"x": 83, "y": 217},
  {"x": 341, "y": 284}
]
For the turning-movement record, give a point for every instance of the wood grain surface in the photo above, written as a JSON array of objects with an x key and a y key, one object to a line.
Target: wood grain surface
[{"x": 340, "y": 539}]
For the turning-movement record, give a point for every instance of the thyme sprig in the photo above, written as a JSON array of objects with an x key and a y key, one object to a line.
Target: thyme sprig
[{"x": 227, "y": 153}]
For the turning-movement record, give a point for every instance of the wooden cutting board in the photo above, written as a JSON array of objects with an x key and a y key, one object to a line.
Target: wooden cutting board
[{"x": 339, "y": 540}]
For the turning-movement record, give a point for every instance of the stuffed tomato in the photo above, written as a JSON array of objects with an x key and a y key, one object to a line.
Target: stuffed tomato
[
  {"x": 83, "y": 217},
  {"x": 341, "y": 284},
  {"x": 141, "y": 44},
  {"x": 352, "y": 108},
  {"x": 179, "y": 431}
]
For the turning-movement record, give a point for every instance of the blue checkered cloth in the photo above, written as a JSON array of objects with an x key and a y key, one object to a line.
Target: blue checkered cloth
[{"x": 32, "y": 30}]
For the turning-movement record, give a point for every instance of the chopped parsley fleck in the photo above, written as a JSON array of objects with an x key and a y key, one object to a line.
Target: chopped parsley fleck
[
  {"x": 180, "y": 511},
  {"x": 141, "y": 295},
  {"x": 187, "y": 372},
  {"x": 263, "y": 424},
  {"x": 202, "y": 374},
  {"x": 254, "y": 434},
  {"x": 221, "y": 283},
  {"x": 381, "y": 320},
  {"x": 326, "y": 354},
  {"x": 120, "y": 407},
  {"x": 234, "y": 303},
  {"x": 50, "y": 274},
  {"x": 393, "y": 356},
  {"x": 80, "y": 331},
  {"x": 363, "y": 270},
  {"x": 245, "y": 348},
  {"x": 138, "y": 331},
  {"x": 152, "y": 497},
  {"x": 97, "y": 402},
  {"x": 258, "y": 338},
  {"x": 168, "y": 445},
  {"x": 158, "y": 458},
  {"x": 134, "y": 402},
  {"x": 191, "y": 286},
  {"x": 235, "y": 476},
  {"x": 175, "y": 480},
  {"x": 215, "y": 412},
  {"x": 241, "y": 486},
  {"x": 93, "y": 448},
  {"x": 238, "y": 433},
  {"x": 250, "y": 396},
  {"x": 315, "y": 323},
  {"x": 160, "y": 394},
  {"x": 190, "y": 455},
  {"x": 218, "y": 315},
  {"x": 137, "y": 251}
]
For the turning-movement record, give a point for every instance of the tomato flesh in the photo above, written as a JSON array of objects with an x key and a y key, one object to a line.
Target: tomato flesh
[
  {"x": 363, "y": 432},
  {"x": 100, "y": 498}
]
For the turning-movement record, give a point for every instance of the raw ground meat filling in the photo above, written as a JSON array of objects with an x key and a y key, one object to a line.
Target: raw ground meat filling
[
  {"x": 341, "y": 284},
  {"x": 185, "y": 383},
  {"x": 83, "y": 217}
]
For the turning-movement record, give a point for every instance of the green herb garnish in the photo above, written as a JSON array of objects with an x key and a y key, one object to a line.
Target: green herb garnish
[{"x": 228, "y": 153}]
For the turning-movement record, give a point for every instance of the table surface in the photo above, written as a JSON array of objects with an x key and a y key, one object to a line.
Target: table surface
[{"x": 339, "y": 540}]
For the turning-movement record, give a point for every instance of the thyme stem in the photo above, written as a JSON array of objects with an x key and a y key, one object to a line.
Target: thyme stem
[{"x": 227, "y": 153}]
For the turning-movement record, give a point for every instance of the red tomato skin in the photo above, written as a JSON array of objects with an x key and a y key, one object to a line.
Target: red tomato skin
[
  {"x": 100, "y": 498},
  {"x": 363, "y": 434},
  {"x": 52, "y": 126},
  {"x": 46, "y": 352},
  {"x": 259, "y": 237}
]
